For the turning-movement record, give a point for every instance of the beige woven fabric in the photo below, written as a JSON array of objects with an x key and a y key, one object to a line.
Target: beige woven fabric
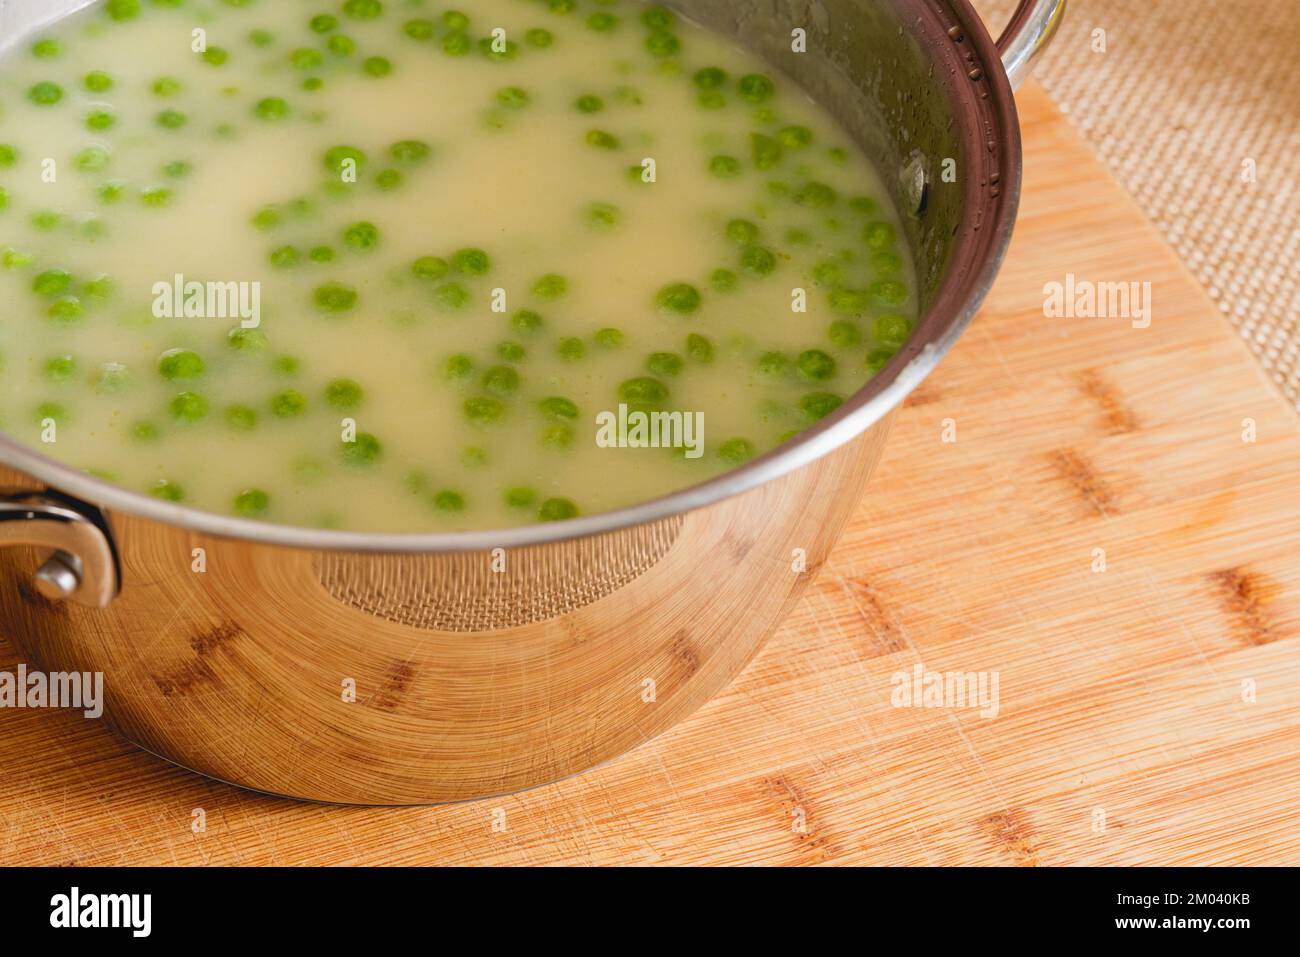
[{"x": 1185, "y": 96}]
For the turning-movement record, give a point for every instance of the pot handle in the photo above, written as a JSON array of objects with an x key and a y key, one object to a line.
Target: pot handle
[
  {"x": 1031, "y": 29},
  {"x": 83, "y": 566}
]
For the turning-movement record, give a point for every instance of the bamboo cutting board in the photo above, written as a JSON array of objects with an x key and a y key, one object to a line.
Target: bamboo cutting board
[{"x": 1149, "y": 713}]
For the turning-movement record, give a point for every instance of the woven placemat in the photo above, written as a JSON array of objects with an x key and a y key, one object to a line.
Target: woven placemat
[{"x": 1194, "y": 105}]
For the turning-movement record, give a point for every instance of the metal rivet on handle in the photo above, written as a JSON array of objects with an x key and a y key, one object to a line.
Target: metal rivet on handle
[{"x": 58, "y": 578}]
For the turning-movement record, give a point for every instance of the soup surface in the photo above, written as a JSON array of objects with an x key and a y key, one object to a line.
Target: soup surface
[{"x": 391, "y": 266}]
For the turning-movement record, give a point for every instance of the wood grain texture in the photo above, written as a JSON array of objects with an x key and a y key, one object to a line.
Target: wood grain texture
[{"x": 1121, "y": 691}]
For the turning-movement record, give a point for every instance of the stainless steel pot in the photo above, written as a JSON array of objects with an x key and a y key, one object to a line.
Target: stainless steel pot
[{"x": 415, "y": 668}]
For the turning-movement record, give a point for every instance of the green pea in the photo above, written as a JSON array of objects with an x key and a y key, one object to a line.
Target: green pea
[
  {"x": 756, "y": 87},
  {"x": 156, "y": 196},
  {"x": 288, "y": 403},
  {"x": 558, "y": 408},
  {"x": 145, "y": 432},
  {"x": 526, "y": 320},
  {"x": 60, "y": 368},
  {"x": 891, "y": 330},
  {"x": 97, "y": 81},
  {"x": 662, "y": 44},
  {"x": 818, "y": 405},
  {"x": 513, "y": 97},
  {"x": 66, "y": 309},
  {"x": 216, "y": 56},
  {"x": 189, "y": 406},
  {"x": 322, "y": 23},
  {"x": 474, "y": 456},
  {"x": 247, "y": 340},
  {"x": 501, "y": 380},
  {"x": 773, "y": 365},
  {"x": 602, "y": 22},
  {"x": 52, "y": 282},
  {"x": 459, "y": 366},
  {"x": 879, "y": 235},
  {"x": 699, "y": 348},
  {"x": 166, "y": 86},
  {"x": 47, "y": 50},
  {"x": 570, "y": 349},
  {"x": 341, "y": 45},
  {"x": 365, "y": 450},
  {"x": 679, "y": 297},
  {"x": 361, "y": 236},
  {"x": 765, "y": 151},
  {"x": 16, "y": 258},
  {"x": 171, "y": 119},
  {"x": 51, "y": 410},
  {"x": 736, "y": 451},
  {"x": 272, "y": 109},
  {"x": 419, "y": 29},
  {"x": 723, "y": 280},
  {"x": 887, "y": 292},
  {"x": 589, "y": 104},
  {"x": 602, "y": 140},
  {"x": 710, "y": 78},
  {"x": 758, "y": 261},
  {"x": 334, "y": 297},
  {"x": 603, "y": 215},
  {"x": 180, "y": 365},
  {"x": 483, "y": 409},
  {"x": 817, "y": 195},
  {"x": 664, "y": 363},
  {"x": 511, "y": 352},
  {"x": 241, "y": 418},
  {"x": 724, "y": 167},
  {"x": 862, "y": 204},
  {"x": 267, "y": 218},
  {"x": 45, "y": 93},
  {"x": 608, "y": 338},
  {"x": 844, "y": 334},
  {"x": 377, "y": 66},
  {"x": 471, "y": 262},
  {"x": 430, "y": 267},
  {"x": 100, "y": 120},
  {"x": 658, "y": 18},
  {"x": 557, "y": 510},
  {"x": 321, "y": 254},
  {"x": 815, "y": 364},
  {"x": 487, "y": 47},
  {"x": 344, "y": 394},
  {"x": 285, "y": 257},
  {"x": 449, "y": 501},
  {"x": 260, "y": 38},
  {"x": 520, "y": 497},
  {"x": 795, "y": 137},
  {"x": 46, "y": 220},
  {"x": 338, "y": 159},
  {"x": 551, "y": 286},
  {"x": 177, "y": 169},
  {"x": 451, "y": 295},
  {"x": 562, "y": 6},
  {"x": 877, "y": 359},
  {"x": 122, "y": 9},
  {"x": 852, "y": 301},
  {"x": 557, "y": 437},
  {"x": 539, "y": 38},
  {"x": 711, "y": 99},
  {"x": 363, "y": 9},
  {"x": 286, "y": 366},
  {"x": 252, "y": 502},
  {"x": 742, "y": 232},
  {"x": 643, "y": 391},
  {"x": 167, "y": 490},
  {"x": 456, "y": 43}
]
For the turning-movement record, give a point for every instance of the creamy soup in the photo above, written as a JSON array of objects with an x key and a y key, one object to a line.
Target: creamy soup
[{"x": 394, "y": 266}]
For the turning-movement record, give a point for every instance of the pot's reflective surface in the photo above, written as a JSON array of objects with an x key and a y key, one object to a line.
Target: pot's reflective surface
[{"x": 386, "y": 669}]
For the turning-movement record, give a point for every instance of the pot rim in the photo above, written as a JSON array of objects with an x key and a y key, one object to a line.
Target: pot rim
[{"x": 973, "y": 265}]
